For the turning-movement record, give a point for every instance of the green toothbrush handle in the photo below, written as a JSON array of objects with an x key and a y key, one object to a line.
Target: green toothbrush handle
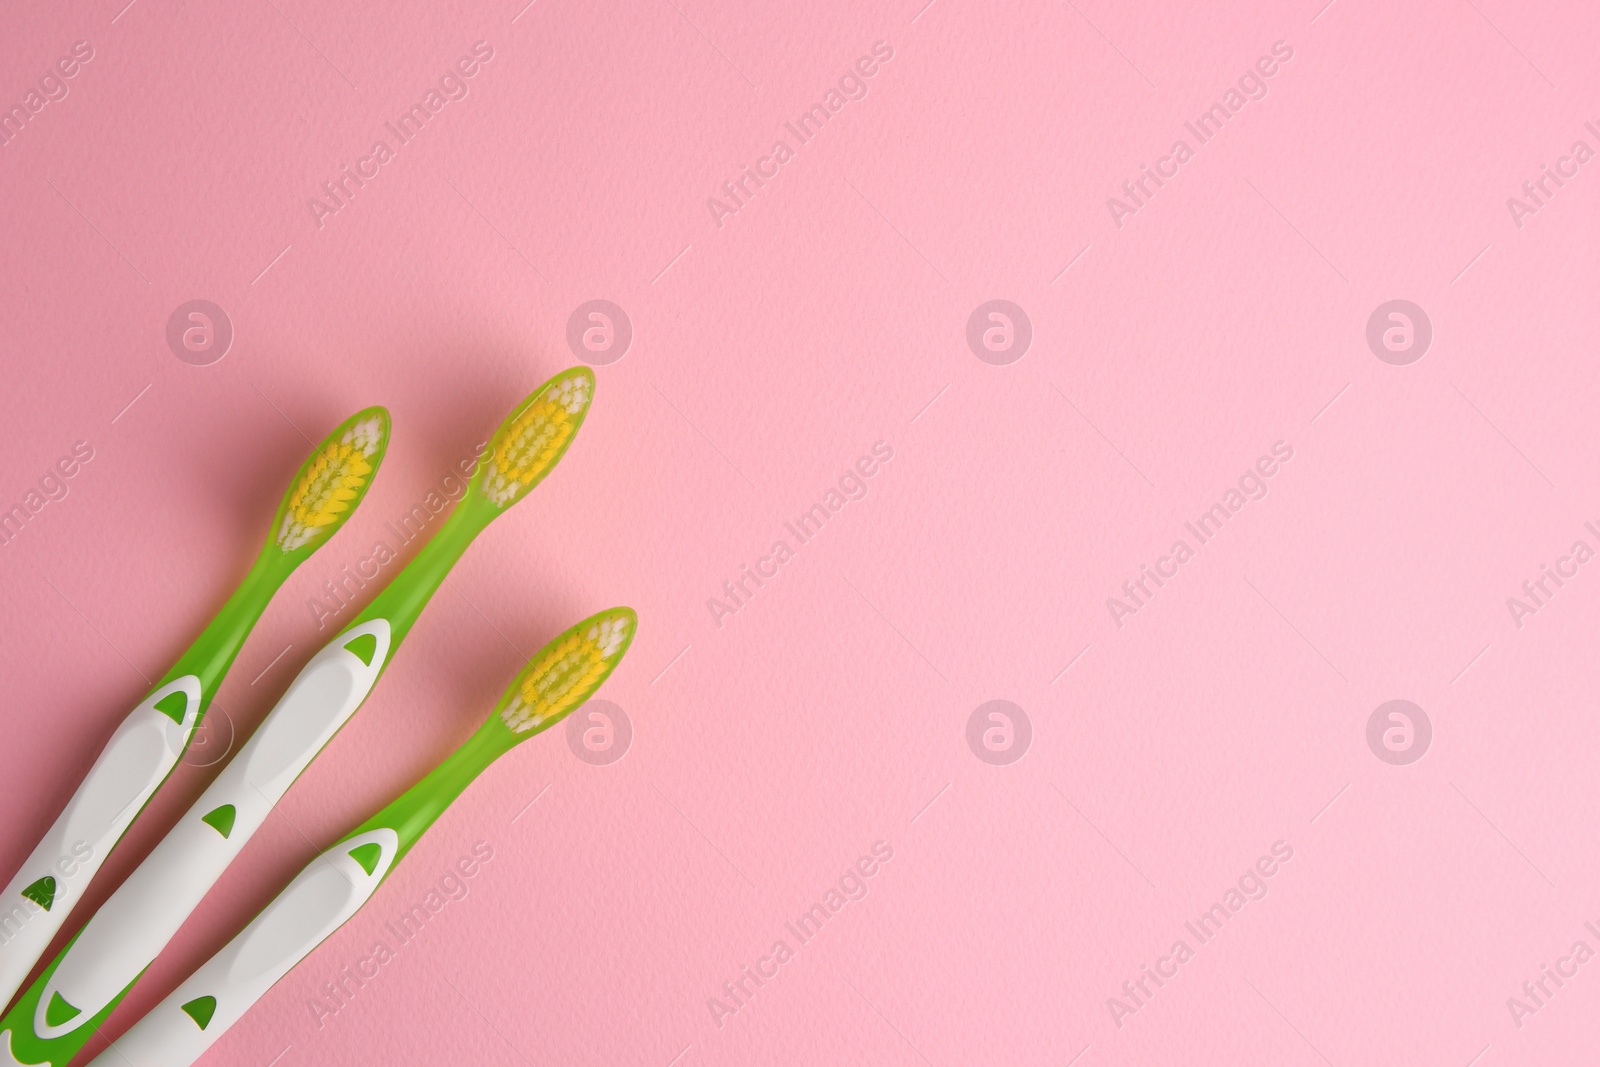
[
  {"x": 137, "y": 921},
  {"x": 322, "y": 898},
  {"x": 135, "y": 761},
  {"x": 558, "y": 679}
]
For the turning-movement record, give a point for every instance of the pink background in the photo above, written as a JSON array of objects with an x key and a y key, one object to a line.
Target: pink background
[{"x": 830, "y": 313}]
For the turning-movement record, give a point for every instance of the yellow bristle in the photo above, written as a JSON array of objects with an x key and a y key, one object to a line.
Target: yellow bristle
[
  {"x": 524, "y": 451},
  {"x": 334, "y": 477},
  {"x": 568, "y": 671}
]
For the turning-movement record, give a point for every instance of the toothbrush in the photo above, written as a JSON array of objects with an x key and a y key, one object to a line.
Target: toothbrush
[
  {"x": 147, "y": 746},
  {"x": 64, "y": 1006},
  {"x": 335, "y": 885}
]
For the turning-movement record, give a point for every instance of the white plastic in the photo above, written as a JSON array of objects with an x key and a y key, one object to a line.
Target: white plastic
[
  {"x": 136, "y": 922},
  {"x": 321, "y": 899},
  {"x": 134, "y": 762}
]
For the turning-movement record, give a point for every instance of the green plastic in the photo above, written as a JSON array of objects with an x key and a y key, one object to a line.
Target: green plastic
[
  {"x": 59, "y": 1011},
  {"x": 173, "y": 705},
  {"x": 402, "y": 601},
  {"x": 201, "y": 1009},
  {"x": 399, "y": 604},
  {"x": 30, "y": 1049},
  {"x": 410, "y": 814},
  {"x": 557, "y": 681},
  {"x": 214, "y": 650},
  {"x": 367, "y": 855},
  {"x": 42, "y": 892},
  {"x": 208, "y": 659},
  {"x": 221, "y": 819},
  {"x": 363, "y": 648},
  {"x": 414, "y": 811}
]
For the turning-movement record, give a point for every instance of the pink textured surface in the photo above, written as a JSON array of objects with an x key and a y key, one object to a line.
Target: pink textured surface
[{"x": 1168, "y": 753}]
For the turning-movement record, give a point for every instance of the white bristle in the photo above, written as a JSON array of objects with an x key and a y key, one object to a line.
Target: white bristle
[
  {"x": 572, "y": 394},
  {"x": 365, "y": 435},
  {"x": 608, "y": 634}
]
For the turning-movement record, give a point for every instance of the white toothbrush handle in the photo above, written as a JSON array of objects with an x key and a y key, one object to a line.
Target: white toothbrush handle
[
  {"x": 137, "y": 759},
  {"x": 136, "y": 922},
  {"x": 321, "y": 899}
]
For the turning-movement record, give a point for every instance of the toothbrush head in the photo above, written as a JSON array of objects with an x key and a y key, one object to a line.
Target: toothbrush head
[
  {"x": 534, "y": 437},
  {"x": 566, "y": 672},
  {"x": 332, "y": 482}
]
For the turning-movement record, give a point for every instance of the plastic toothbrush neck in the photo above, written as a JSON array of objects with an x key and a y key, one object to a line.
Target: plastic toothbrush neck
[{"x": 402, "y": 601}]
